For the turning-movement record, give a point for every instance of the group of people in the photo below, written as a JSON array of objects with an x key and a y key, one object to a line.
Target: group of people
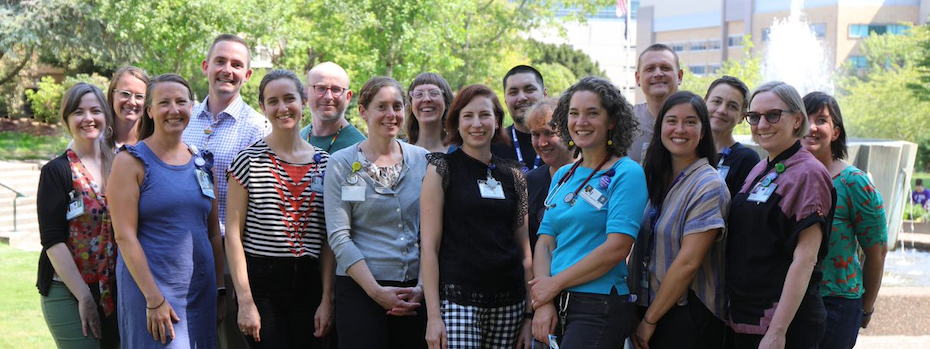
[{"x": 587, "y": 223}]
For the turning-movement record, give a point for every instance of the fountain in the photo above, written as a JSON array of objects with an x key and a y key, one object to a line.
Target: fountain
[{"x": 795, "y": 55}]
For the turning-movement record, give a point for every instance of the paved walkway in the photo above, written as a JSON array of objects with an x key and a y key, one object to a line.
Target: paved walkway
[{"x": 901, "y": 320}]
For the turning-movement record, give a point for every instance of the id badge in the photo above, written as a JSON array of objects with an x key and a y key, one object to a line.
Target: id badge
[
  {"x": 761, "y": 194},
  {"x": 353, "y": 193},
  {"x": 491, "y": 189},
  {"x": 553, "y": 344},
  {"x": 75, "y": 206},
  {"x": 724, "y": 171},
  {"x": 643, "y": 154},
  {"x": 316, "y": 184},
  {"x": 593, "y": 197},
  {"x": 206, "y": 185}
]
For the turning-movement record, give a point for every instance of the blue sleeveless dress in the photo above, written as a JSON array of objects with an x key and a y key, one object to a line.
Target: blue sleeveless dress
[{"x": 173, "y": 233}]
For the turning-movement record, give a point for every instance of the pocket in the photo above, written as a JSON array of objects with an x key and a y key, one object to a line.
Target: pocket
[{"x": 587, "y": 303}]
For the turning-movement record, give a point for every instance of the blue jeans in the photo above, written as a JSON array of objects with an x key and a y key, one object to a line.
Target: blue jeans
[
  {"x": 844, "y": 317},
  {"x": 595, "y": 321}
]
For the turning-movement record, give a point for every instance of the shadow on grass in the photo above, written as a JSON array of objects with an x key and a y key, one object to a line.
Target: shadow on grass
[{"x": 22, "y": 146}]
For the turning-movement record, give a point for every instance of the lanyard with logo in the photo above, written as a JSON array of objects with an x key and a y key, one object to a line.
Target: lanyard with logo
[{"x": 516, "y": 145}]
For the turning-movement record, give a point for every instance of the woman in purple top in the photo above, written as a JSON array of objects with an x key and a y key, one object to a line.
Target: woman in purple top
[{"x": 779, "y": 224}]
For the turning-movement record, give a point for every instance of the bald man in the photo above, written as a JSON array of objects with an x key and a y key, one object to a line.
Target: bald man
[{"x": 328, "y": 96}]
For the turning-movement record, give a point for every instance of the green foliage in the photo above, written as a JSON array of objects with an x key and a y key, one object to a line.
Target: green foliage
[
  {"x": 249, "y": 91},
  {"x": 46, "y": 101},
  {"x": 579, "y": 63},
  {"x": 881, "y": 102},
  {"x": 915, "y": 212},
  {"x": 558, "y": 77}
]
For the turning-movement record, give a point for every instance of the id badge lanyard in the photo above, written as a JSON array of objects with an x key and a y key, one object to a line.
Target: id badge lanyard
[{"x": 516, "y": 145}]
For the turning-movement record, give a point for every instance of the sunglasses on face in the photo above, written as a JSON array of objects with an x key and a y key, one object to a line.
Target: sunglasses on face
[{"x": 771, "y": 116}]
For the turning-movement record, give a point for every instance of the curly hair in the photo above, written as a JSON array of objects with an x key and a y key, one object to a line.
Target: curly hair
[{"x": 619, "y": 113}]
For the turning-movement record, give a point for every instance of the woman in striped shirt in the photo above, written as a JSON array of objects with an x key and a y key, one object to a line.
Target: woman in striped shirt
[
  {"x": 276, "y": 244},
  {"x": 677, "y": 267}
]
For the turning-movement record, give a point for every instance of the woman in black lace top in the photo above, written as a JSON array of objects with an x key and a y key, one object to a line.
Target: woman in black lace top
[{"x": 475, "y": 254}]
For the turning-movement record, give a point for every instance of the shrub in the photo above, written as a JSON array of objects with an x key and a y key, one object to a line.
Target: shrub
[
  {"x": 915, "y": 212},
  {"x": 46, "y": 101}
]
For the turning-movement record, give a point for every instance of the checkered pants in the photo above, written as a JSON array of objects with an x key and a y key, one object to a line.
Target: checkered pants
[{"x": 471, "y": 327}]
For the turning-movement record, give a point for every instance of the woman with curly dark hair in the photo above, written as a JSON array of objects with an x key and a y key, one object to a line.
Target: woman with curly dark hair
[{"x": 592, "y": 216}]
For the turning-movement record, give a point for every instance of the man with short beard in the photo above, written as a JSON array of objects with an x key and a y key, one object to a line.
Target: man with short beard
[
  {"x": 523, "y": 87},
  {"x": 224, "y": 124},
  {"x": 658, "y": 75},
  {"x": 328, "y": 96}
]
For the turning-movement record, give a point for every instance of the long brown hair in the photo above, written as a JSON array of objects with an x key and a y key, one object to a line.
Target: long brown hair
[{"x": 70, "y": 102}]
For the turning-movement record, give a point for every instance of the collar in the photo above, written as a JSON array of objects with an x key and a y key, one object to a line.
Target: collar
[
  {"x": 233, "y": 109},
  {"x": 793, "y": 149}
]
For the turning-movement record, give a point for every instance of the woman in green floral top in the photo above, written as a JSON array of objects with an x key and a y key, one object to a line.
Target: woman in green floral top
[{"x": 850, "y": 286}]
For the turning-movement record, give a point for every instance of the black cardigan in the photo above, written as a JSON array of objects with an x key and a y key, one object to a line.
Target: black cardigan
[{"x": 52, "y": 200}]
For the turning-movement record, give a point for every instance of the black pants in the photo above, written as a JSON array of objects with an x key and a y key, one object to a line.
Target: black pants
[
  {"x": 287, "y": 292},
  {"x": 595, "y": 321},
  {"x": 688, "y": 326},
  {"x": 364, "y": 324},
  {"x": 805, "y": 332}
]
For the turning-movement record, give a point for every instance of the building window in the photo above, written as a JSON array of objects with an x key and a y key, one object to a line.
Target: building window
[
  {"x": 698, "y": 45},
  {"x": 697, "y": 69},
  {"x": 713, "y": 44},
  {"x": 735, "y": 40},
  {"x": 678, "y": 47},
  {"x": 765, "y": 34},
  {"x": 819, "y": 30},
  {"x": 864, "y": 30},
  {"x": 859, "y": 62}
]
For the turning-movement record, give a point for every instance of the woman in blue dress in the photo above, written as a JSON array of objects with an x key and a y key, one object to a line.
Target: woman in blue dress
[{"x": 165, "y": 218}]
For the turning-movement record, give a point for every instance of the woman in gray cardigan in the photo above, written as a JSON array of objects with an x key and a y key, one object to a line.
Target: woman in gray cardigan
[{"x": 373, "y": 223}]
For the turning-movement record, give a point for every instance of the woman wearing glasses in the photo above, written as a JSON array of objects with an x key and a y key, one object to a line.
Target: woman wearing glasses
[
  {"x": 127, "y": 96},
  {"x": 429, "y": 99},
  {"x": 727, "y": 101},
  {"x": 373, "y": 220},
  {"x": 779, "y": 224},
  {"x": 849, "y": 288}
]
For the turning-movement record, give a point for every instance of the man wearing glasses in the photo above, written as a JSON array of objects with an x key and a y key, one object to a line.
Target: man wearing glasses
[
  {"x": 658, "y": 74},
  {"x": 328, "y": 96},
  {"x": 224, "y": 124}
]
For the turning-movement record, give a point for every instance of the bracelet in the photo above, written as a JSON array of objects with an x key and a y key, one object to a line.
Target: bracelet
[
  {"x": 868, "y": 313},
  {"x": 647, "y": 322},
  {"x": 221, "y": 292},
  {"x": 163, "y": 299}
]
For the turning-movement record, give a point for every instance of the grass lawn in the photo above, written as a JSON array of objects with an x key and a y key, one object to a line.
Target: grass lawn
[
  {"x": 21, "y": 321},
  {"x": 22, "y": 146}
]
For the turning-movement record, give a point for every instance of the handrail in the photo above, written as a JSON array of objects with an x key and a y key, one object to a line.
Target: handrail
[{"x": 18, "y": 195}]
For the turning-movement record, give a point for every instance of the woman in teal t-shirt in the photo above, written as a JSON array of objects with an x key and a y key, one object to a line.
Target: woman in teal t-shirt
[
  {"x": 593, "y": 215},
  {"x": 849, "y": 287}
]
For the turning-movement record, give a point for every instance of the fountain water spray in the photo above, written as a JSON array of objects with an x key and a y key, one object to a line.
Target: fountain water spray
[{"x": 795, "y": 55}]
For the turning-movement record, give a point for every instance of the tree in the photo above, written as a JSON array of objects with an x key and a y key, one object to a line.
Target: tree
[
  {"x": 882, "y": 103},
  {"x": 578, "y": 62}
]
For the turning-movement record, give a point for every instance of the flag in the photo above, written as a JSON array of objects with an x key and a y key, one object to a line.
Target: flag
[{"x": 621, "y": 8}]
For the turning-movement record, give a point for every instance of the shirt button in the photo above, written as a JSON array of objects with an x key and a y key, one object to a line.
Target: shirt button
[
  {"x": 400, "y": 225},
  {"x": 398, "y": 210},
  {"x": 403, "y": 238}
]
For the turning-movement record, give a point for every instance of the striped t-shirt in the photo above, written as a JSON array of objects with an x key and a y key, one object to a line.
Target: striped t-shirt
[
  {"x": 285, "y": 214},
  {"x": 695, "y": 204}
]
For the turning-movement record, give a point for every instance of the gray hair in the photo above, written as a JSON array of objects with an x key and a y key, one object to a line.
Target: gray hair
[{"x": 790, "y": 96}]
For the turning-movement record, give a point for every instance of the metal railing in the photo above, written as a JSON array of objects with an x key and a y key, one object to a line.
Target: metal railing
[{"x": 18, "y": 195}]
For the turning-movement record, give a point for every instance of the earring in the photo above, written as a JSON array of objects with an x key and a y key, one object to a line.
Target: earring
[
  {"x": 610, "y": 142},
  {"x": 571, "y": 143}
]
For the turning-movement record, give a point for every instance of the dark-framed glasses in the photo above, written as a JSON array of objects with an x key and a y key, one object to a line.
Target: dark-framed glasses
[
  {"x": 418, "y": 95},
  {"x": 337, "y": 91},
  {"x": 771, "y": 116}
]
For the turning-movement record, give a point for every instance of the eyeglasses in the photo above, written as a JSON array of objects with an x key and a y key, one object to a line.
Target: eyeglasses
[
  {"x": 418, "y": 95},
  {"x": 337, "y": 91},
  {"x": 771, "y": 116},
  {"x": 126, "y": 95}
]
